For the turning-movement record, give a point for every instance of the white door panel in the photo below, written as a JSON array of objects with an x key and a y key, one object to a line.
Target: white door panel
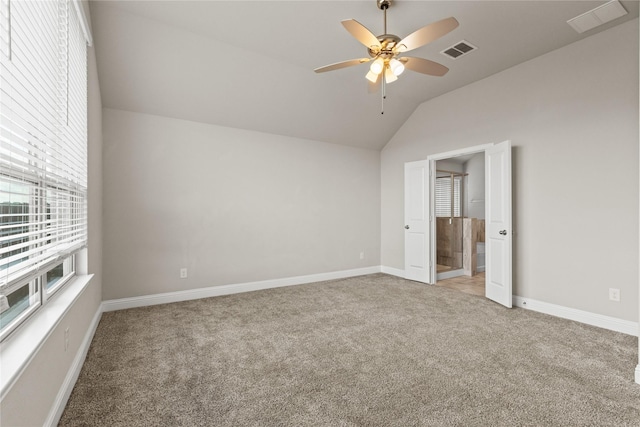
[
  {"x": 415, "y": 245},
  {"x": 416, "y": 212},
  {"x": 498, "y": 233}
]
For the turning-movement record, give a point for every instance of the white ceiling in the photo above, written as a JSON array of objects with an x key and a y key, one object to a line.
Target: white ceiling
[{"x": 249, "y": 64}]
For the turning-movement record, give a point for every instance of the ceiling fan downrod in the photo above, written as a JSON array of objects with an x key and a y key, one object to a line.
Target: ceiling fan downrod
[{"x": 383, "y": 5}]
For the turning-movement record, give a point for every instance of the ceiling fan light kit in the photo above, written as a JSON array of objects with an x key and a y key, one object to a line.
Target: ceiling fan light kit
[
  {"x": 377, "y": 66},
  {"x": 385, "y": 50},
  {"x": 396, "y": 67}
]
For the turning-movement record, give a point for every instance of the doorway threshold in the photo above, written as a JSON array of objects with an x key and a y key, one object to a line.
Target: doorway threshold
[{"x": 450, "y": 274}]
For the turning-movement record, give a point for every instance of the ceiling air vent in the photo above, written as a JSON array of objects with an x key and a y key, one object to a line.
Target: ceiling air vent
[
  {"x": 598, "y": 16},
  {"x": 459, "y": 49}
]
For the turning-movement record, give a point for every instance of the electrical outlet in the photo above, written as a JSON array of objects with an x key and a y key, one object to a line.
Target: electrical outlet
[
  {"x": 183, "y": 273},
  {"x": 361, "y": 255},
  {"x": 614, "y": 294},
  {"x": 66, "y": 339}
]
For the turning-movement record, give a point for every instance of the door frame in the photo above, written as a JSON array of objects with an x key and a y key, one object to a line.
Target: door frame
[{"x": 432, "y": 159}]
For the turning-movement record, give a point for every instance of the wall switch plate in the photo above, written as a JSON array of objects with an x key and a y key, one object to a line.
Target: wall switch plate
[
  {"x": 361, "y": 255},
  {"x": 183, "y": 273},
  {"x": 614, "y": 294}
]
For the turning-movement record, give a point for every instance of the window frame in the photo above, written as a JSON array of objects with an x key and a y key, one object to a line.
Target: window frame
[
  {"x": 68, "y": 272},
  {"x": 56, "y": 233}
]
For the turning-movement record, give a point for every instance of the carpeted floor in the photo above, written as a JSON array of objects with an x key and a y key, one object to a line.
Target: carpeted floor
[{"x": 368, "y": 351}]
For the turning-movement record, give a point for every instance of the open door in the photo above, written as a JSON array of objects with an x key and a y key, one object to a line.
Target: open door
[
  {"x": 498, "y": 232},
  {"x": 416, "y": 216}
]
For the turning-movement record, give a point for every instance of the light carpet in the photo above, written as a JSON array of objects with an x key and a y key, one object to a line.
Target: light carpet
[{"x": 373, "y": 350}]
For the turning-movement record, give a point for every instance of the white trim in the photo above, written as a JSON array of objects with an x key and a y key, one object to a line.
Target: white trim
[
  {"x": 214, "y": 291},
  {"x": 74, "y": 371},
  {"x": 638, "y": 374},
  {"x": 84, "y": 22},
  {"x": 461, "y": 152},
  {"x": 594, "y": 319},
  {"x": 433, "y": 274},
  {"x": 392, "y": 271},
  {"x": 19, "y": 349},
  {"x": 450, "y": 274}
]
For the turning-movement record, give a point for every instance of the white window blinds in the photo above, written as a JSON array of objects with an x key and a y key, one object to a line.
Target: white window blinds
[
  {"x": 446, "y": 199},
  {"x": 43, "y": 136}
]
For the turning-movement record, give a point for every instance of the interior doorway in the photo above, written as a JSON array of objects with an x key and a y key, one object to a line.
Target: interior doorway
[
  {"x": 460, "y": 219},
  {"x": 420, "y": 219}
]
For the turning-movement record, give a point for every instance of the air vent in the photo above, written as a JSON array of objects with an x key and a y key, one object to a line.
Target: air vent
[
  {"x": 598, "y": 16},
  {"x": 459, "y": 49}
]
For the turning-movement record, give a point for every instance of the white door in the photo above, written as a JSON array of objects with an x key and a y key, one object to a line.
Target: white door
[
  {"x": 498, "y": 233},
  {"x": 416, "y": 217}
]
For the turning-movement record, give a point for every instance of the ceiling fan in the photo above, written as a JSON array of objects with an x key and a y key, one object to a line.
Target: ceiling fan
[{"x": 385, "y": 50}]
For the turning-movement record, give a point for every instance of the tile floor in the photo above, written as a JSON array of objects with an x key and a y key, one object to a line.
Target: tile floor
[
  {"x": 470, "y": 285},
  {"x": 440, "y": 268}
]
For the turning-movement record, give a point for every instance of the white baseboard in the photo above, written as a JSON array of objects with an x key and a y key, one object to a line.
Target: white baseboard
[
  {"x": 450, "y": 274},
  {"x": 74, "y": 371},
  {"x": 594, "y": 319},
  {"x": 214, "y": 291},
  {"x": 638, "y": 374},
  {"x": 599, "y": 320},
  {"x": 392, "y": 271}
]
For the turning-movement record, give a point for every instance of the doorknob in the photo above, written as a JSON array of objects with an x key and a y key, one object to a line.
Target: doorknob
[
  {"x": 503, "y": 232},
  {"x": 406, "y": 226}
]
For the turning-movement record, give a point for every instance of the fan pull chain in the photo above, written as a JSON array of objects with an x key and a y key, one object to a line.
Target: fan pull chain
[
  {"x": 384, "y": 83},
  {"x": 384, "y": 94}
]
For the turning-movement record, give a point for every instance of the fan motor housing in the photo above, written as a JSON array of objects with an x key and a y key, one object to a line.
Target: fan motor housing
[{"x": 388, "y": 42}]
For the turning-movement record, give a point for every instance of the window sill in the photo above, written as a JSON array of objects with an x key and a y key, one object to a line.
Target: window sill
[{"x": 17, "y": 351}]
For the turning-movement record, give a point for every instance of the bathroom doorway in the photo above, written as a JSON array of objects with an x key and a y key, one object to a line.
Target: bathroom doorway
[
  {"x": 459, "y": 197},
  {"x": 420, "y": 224}
]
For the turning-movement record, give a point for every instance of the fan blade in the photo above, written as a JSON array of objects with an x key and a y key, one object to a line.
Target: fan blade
[
  {"x": 427, "y": 34},
  {"x": 424, "y": 66},
  {"x": 361, "y": 33},
  {"x": 375, "y": 87},
  {"x": 342, "y": 64}
]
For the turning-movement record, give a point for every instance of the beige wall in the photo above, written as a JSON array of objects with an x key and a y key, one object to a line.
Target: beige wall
[
  {"x": 572, "y": 116},
  {"x": 230, "y": 205},
  {"x": 474, "y": 191},
  {"x": 31, "y": 398}
]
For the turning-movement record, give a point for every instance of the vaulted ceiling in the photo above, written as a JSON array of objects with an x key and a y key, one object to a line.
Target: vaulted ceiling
[{"x": 249, "y": 64}]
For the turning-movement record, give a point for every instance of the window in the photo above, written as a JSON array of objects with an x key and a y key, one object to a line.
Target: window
[
  {"x": 449, "y": 196},
  {"x": 43, "y": 152}
]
